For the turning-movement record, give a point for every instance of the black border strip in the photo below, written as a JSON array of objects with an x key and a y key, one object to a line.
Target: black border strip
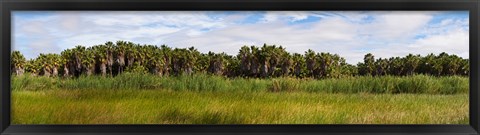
[
  {"x": 4, "y": 69},
  {"x": 249, "y": 1},
  {"x": 7, "y": 6},
  {"x": 475, "y": 75}
]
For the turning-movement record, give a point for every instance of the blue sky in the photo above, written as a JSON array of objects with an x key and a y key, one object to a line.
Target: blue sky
[{"x": 351, "y": 34}]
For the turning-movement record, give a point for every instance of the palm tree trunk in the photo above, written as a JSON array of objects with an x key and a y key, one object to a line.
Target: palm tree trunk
[
  {"x": 89, "y": 70},
  {"x": 110, "y": 64},
  {"x": 130, "y": 61},
  {"x": 157, "y": 71},
  {"x": 19, "y": 71},
  {"x": 254, "y": 68},
  {"x": 310, "y": 67},
  {"x": 188, "y": 70},
  {"x": 271, "y": 69},
  {"x": 285, "y": 70},
  {"x": 55, "y": 72},
  {"x": 218, "y": 67},
  {"x": 298, "y": 70},
  {"x": 103, "y": 69},
  {"x": 264, "y": 69},
  {"x": 245, "y": 66},
  {"x": 46, "y": 72},
  {"x": 22, "y": 71},
  {"x": 66, "y": 71},
  {"x": 166, "y": 66},
  {"x": 121, "y": 63}
]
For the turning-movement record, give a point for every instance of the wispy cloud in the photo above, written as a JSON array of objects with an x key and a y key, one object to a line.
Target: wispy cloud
[{"x": 350, "y": 34}]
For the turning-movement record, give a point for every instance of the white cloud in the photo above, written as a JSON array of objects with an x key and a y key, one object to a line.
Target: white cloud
[
  {"x": 452, "y": 42},
  {"x": 34, "y": 28},
  {"x": 397, "y": 25},
  {"x": 455, "y": 41},
  {"x": 335, "y": 34},
  {"x": 272, "y": 16},
  {"x": 70, "y": 23},
  {"x": 385, "y": 34}
]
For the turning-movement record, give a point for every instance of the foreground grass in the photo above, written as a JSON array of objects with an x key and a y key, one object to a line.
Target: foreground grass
[{"x": 106, "y": 106}]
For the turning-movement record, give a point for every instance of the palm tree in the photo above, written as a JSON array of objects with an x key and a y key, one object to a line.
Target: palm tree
[
  {"x": 275, "y": 57},
  {"x": 56, "y": 62},
  {"x": 453, "y": 64},
  {"x": 120, "y": 50},
  {"x": 110, "y": 49},
  {"x": 426, "y": 66},
  {"x": 244, "y": 55},
  {"x": 101, "y": 57},
  {"x": 310, "y": 61},
  {"x": 325, "y": 60},
  {"x": 348, "y": 70},
  {"x": 255, "y": 61},
  {"x": 77, "y": 59},
  {"x": 203, "y": 63},
  {"x": 334, "y": 68},
  {"x": 142, "y": 54},
  {"x": 369, "y": 60},
  {"x": 67, "y": 62},
  {"x": 88, "y": 61},
  {"x": 299, "y": 62},
  {"x": 18, "y": 62},
  {"x": 193, "y": 56},
  {"x": 183, "y": 60},
  {"x": 265, "y": 56},
  {"x": 232, "y": 66},
  {"x": 287, "y": 63},
  {"x": 411, "y": 63},
  {"x": 177, "y": 61},
  {"x": 45, "y": 64},
  {"x": 132, "y": 51},
  {"x": 464, "y": 67},
  {"x": 210, "y": 58},
  {"x": 217, "y": 63},
  {"x": 32, "y": 66},
  {"x": 382, "y": 66},
  {"x": 155, "y": 60},
  {"x": 166, "y": 52}
]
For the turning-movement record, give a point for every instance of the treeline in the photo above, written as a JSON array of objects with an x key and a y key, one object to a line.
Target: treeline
[{"x": 111, "y": 59}]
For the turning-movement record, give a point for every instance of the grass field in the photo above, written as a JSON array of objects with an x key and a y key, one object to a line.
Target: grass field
[
  {"x": 169, "y": 107},
  {"x": 143, "y": 99}
]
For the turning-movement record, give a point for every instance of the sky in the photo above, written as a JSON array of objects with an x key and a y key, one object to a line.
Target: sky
[{"x": 351, "y": 34}]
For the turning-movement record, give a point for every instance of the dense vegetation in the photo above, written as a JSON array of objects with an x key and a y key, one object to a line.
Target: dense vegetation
[
  {"x": 120, "y": 84},
  {"x": 135, "y": 98},
  {"x": 212, "y": 83},
  {"x": 267, "y": 61}
]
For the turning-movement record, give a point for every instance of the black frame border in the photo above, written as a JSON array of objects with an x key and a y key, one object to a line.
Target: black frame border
[{"x": 6, "y": 6}]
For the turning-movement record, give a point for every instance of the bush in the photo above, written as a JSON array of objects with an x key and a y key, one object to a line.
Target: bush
[{"x": 136, "y": 68}]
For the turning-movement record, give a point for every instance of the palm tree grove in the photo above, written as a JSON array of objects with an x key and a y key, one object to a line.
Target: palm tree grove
[
  {"x": 267, "y": 61},
  {"x": 128, "y": 83}
]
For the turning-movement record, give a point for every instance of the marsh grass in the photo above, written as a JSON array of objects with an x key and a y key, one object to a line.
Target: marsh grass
[
  {"x": 203, "y": 82},
  {"x": 206, "y": 99},
  {"x": 188, "y": 107}
]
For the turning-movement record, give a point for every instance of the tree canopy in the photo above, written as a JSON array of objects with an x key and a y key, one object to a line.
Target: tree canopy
[{"x": 267, "y": 61}]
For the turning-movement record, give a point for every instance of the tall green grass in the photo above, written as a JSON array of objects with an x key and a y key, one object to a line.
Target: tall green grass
[
  {"x": 189, "y": 107},
  {"x": 205, "y": 99},
  {"x": 203, "y": 82}
]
